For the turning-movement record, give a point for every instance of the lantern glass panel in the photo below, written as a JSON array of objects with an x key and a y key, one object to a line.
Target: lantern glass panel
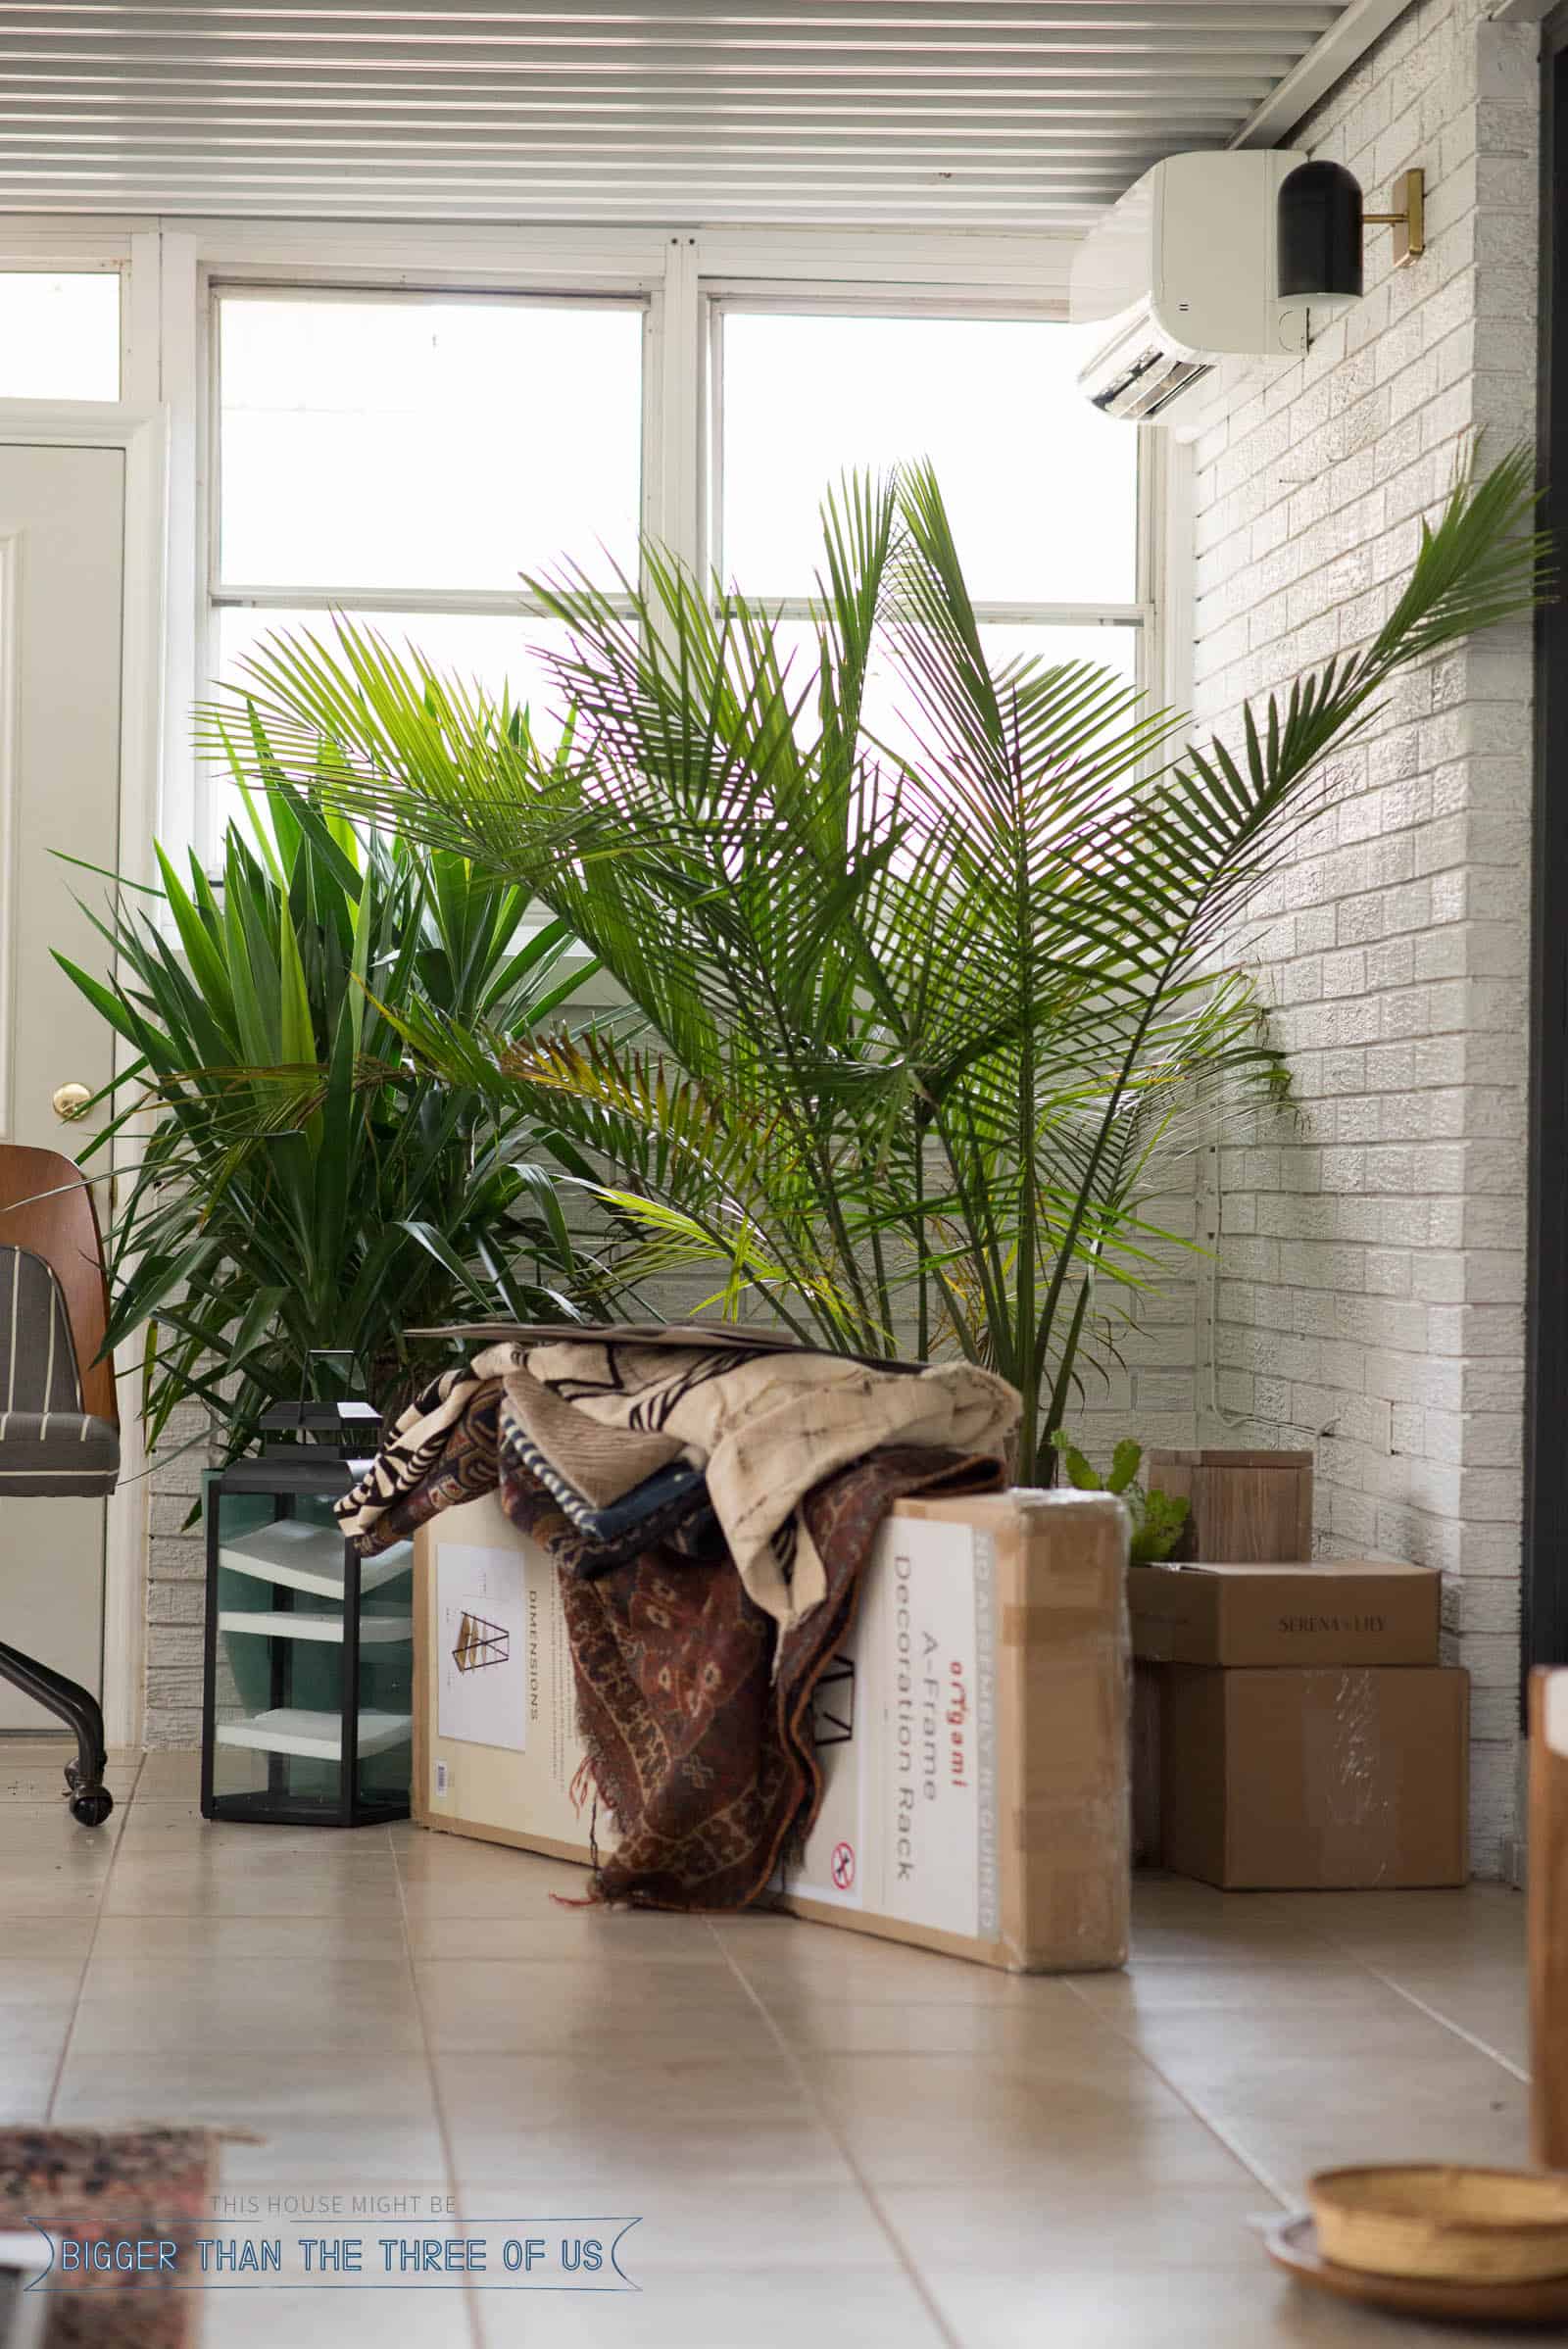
[{"x": 290, "y": 1735}]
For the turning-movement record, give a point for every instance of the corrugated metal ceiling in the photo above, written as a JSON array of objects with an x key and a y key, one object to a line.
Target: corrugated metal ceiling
[{"x": 1001, "y": 113}]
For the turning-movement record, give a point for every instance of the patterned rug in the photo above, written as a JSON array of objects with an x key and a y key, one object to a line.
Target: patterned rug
[
  {"x": 699, "y": 1747},
  {"x": 116, "y": 2186}
]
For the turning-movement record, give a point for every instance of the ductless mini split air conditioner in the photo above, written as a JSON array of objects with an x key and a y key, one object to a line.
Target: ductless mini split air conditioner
[{"x": 1184, "y": 271}]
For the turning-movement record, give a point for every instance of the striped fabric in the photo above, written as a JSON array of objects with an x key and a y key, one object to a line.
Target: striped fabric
[
  {"x": 48, "y": 1443},
  {"x": 37, "y": 1359}
]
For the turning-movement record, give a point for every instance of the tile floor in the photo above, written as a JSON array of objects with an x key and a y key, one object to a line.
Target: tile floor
[{"x": 829, "y": 2141}]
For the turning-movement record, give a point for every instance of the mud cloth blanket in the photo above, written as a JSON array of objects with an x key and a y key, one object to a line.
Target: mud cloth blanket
[
  {"x": 599, "y": 1420},
  {"x": 694, "y": 1699}
]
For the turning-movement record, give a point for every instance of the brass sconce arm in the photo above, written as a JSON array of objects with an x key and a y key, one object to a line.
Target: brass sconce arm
[{"x": 1409, "y": 221}]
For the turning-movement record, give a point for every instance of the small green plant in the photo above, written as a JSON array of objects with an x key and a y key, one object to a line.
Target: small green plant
[{"x": 1159, "y": 1518}]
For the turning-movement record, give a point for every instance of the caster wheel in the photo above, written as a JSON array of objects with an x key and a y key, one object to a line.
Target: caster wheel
[
  {"x": 72, "y": 1776},
  {"x": 91, "y": 1810}
]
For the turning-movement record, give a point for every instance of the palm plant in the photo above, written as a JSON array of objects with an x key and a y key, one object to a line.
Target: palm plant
[
  {"x": 305, "y": 1186},
  {"x": 920, "y": 1022}
]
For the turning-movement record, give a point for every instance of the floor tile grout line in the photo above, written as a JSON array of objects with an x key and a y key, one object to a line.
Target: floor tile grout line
[
  {"x": 1268, "y": 1907},
  {"x": 1457, "y": 2031},
  {"x": 868, "y": 2191},
  {"x": 1205, "y": 2120},
  {"x": 1505, "y": 2063},
  {"x": 1336, "y": 1940},
  {"x": 457, "y": 2193},
  {"x": 1362, "y": 1964},
  {"x": 1311, "y": 1937},
  {"x": 1354, "y": 1956},
  {"x": 92, "y": 1943},
  {"x": 1389, "y": 1981}
]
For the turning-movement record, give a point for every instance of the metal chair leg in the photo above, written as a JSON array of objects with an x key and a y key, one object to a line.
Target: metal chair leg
[{"x": 90, "y": 1799}]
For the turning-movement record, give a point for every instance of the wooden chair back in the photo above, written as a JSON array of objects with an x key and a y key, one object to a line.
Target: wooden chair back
[{"x": 47, "y": 1206}]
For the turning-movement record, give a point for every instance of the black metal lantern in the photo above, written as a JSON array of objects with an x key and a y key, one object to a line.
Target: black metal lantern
[
  {"x": 307, "y": 1682},
  {"x": 1320, "y": 233},
  {"x": 1320, "y": 225}
]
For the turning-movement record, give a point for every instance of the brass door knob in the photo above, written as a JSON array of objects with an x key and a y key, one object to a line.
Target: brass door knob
[{"x": 70, "y": 1100}]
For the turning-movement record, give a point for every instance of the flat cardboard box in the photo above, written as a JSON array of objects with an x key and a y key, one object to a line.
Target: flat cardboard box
[
  {"x": 1332, "y": 1776},
  {"x": 983, "y": 1797},
  {"x": 972, "y": 1731},
  {"x": 496, "y": 1750},
  {"x": 1341, "y": 1611}
]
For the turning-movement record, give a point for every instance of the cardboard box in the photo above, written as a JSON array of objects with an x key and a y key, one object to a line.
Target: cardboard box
[
  {"x": 496, "y": 1751},
  {"x": 1245, "y": 1505},
  {"x": 1147, "y": 1706},
  {"x": 972, "y": 1731},
  {"x": 1343, "y": 1611},
  {"x": 983, "y": 1794},
  {"x": 1329, "y": 1776}
]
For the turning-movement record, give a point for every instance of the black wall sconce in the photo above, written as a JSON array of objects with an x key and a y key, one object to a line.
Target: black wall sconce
[{"x": 1321, "y": 223}]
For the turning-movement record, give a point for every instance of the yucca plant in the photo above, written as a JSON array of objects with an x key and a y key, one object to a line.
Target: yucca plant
[
  {"x": 306, "y": 1185},
  {"x": 922, "y": 1026}
]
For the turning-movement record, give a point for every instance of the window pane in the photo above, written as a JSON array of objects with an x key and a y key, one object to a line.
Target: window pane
[
  {"x": 1041, "y": 488},
  {"x": 491, "y": 650},
  {"x": 891, "y": 712},
  {"x": 426, "y": 443},
  {"x": 494, "y": 649},
  {"x": 1115, "y": 649},
  {"x": 59, "y": 336}
]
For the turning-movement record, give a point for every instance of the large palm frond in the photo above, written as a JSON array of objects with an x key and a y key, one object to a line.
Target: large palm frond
[{"x": 924, "y": 1019}]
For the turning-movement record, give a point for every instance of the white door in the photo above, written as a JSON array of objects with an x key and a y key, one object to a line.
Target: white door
[{"x": 62, "y": 580}]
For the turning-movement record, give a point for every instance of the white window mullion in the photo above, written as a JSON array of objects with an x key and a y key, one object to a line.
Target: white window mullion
[
  {"x": 182, "y": 339},
  {"x": 1168, "y": 499},
  {"x": 140, "y": 309},
  {"x": 674, "y": 501},
  {"x": 713, "y": 327},
  {"x": 989, "y": 615},
  {"x": 495, "y": 603}
]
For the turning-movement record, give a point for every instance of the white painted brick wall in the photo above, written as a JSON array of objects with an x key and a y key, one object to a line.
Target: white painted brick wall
[
  {"x": 1370, "y": 1266},
  {"x": 175, "y": 1586}
]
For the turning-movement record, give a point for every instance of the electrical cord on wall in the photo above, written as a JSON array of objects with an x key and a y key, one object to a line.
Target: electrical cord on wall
[
  {"x": 1235, "y": 1421},
  {"x": 1216, "y": 1409}
]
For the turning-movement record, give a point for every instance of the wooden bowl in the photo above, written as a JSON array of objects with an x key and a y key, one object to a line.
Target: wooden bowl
[
  {"x": 1291, "y": 2242},
  {"x": 1428, "y": 2219}
]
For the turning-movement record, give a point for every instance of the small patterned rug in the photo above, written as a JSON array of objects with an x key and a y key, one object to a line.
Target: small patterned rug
[{"x": 113, "y": 2187}]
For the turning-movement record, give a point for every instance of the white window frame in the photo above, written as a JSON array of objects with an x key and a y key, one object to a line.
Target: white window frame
[
  {"x": 168, "y": 268},
  {"x": 721, "y": 301},
  {"x": 687, "y": 279},
  {"x": 95, "y": 263},
  {"x": 222, "y": 594}
]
